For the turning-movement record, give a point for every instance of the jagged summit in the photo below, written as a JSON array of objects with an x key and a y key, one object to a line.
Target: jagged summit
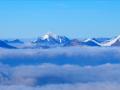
[
  {"x": 49, "y": 35},
  {"x": 51, "y": 39}
]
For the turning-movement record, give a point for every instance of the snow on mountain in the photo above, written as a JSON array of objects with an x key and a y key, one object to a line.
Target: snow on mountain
[
  {"x": 48, "y": 36},
  {"x": 113, "y": 42},
  {"x": 51, "y": 39},
  {"x": 91, "y": 42}
]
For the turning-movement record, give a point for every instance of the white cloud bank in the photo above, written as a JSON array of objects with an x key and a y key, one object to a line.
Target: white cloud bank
[
  {"x": 56, "y": 74},
  {"x": 60, "y": 69},
  {"x": 73, "y": 55}
]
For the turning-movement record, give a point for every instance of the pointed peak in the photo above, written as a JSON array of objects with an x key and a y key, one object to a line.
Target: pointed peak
[{"x": 48, "y": 35}]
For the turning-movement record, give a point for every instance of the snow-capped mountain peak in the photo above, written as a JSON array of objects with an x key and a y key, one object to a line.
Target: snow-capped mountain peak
[
  {"x": 49, "y": 35},
  {"x": 51, "y": 39}
]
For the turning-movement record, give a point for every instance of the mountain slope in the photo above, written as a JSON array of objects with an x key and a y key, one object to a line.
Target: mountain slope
[
  {"x": 5, "y": 45},
  {"x": 14, "y": 41},
  {"x": 91, "y": 42},
  {"x": 113, "y": 42},
  {"x": 52, "y": 40}
]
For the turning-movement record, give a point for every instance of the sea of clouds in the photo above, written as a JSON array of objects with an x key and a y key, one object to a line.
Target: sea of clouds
[{"x": 71, "y": 68}]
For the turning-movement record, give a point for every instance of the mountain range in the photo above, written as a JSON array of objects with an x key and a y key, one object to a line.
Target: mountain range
[{"x": 51, "y": 40}]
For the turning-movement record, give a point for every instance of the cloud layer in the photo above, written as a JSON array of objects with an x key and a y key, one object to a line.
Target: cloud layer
[
  {"x": 76, "y": 68},
  {"x": 55, "y": 74},
  {"x": 75, "y": 55}
]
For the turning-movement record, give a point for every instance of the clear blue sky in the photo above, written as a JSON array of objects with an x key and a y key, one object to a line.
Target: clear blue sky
[{"x": 74, "y": 18}]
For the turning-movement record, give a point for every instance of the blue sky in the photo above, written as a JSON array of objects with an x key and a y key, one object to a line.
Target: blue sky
[{"x": 74, "y": 18}]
